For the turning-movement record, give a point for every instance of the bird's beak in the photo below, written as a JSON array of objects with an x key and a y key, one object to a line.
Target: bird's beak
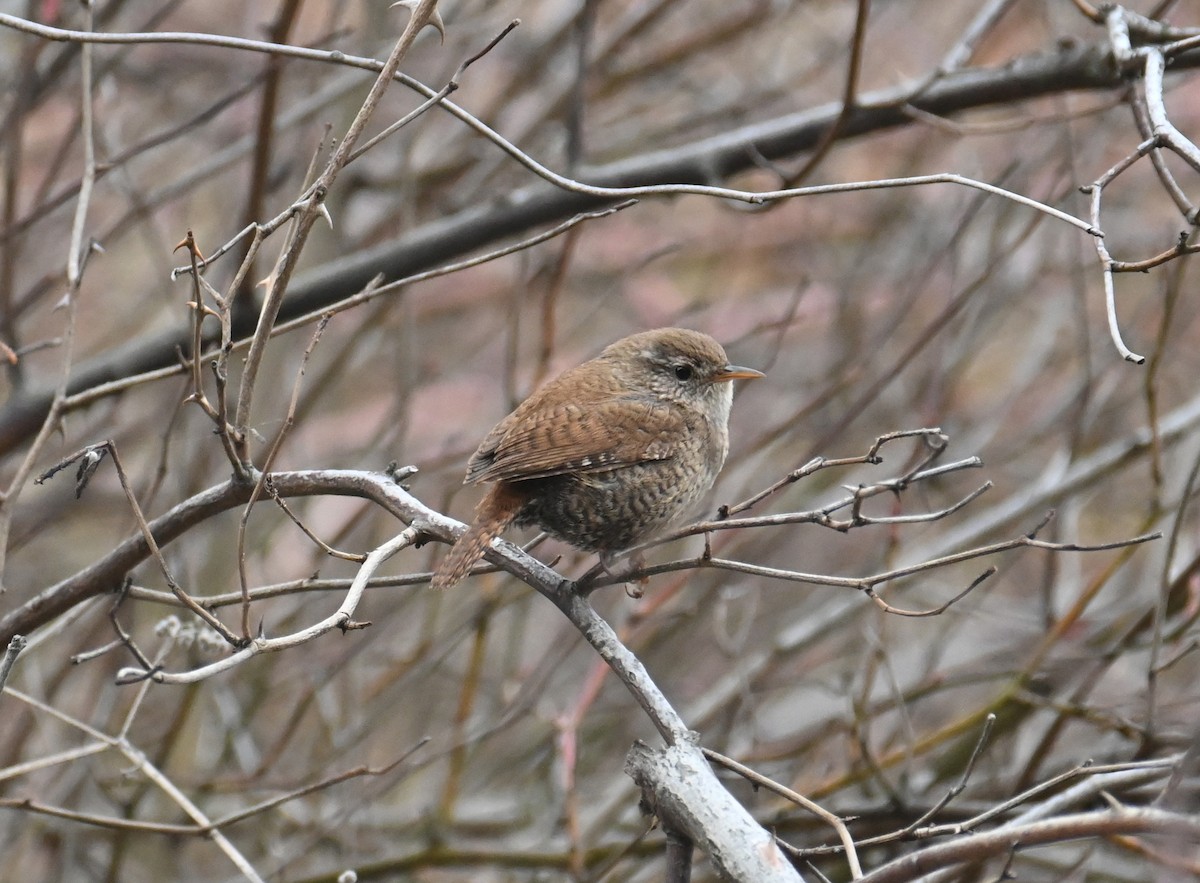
[{"x": 736, "y": 372}]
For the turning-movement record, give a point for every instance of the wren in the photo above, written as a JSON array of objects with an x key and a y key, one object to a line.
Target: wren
[{"x": 610, "y": 453}]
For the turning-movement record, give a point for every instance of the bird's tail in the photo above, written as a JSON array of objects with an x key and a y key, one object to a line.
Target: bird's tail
[{"x": 495, "y": 512}]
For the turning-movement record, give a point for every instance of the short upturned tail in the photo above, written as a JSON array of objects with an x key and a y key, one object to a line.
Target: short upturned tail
[{"x": 495, "y": 512}]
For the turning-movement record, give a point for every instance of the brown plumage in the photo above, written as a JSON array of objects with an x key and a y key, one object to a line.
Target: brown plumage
[{"x": 608, "y": 454}]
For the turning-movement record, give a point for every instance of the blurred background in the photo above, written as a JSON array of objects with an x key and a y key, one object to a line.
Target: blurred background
[{"x": 494, "y": 736}]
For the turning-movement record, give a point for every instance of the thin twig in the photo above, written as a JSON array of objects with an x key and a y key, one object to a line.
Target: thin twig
[
  {"x": 342, "y": 618},
  {"x": 312, "y": 206},
  {"x": 11, "y": 652},
  {"x": 799, "y": 799},
  {"x": 265, "y": 472},
  {"x": 138, "y": 760},
  {"x": 88, "y": 456}
]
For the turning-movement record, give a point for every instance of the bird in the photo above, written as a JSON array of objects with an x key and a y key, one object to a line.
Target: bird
[{"x": 608, "y": 454}]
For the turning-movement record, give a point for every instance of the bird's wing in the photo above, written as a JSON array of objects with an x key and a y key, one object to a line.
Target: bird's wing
[{"x": 572, "y": 437}]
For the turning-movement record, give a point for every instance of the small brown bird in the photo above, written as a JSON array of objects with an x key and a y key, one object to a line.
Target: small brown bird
[{"x": 608, "y": 454}]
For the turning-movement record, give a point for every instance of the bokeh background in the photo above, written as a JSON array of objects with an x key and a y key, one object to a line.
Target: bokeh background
[{"x": 494, "y": 736}]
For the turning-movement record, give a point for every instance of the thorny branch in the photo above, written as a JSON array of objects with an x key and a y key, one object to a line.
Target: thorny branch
[{"x": 419, "y": 517}]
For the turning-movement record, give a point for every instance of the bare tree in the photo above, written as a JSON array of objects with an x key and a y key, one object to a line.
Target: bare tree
[{"x": 269, "y": 271}]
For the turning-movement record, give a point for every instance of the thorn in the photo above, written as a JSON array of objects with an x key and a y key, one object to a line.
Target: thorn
[
  {"x": 435, "y": 20},
  {"x": 189, "y": 242}
]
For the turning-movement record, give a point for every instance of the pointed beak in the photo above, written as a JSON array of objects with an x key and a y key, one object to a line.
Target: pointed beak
[{"x": 736, "y": 372}]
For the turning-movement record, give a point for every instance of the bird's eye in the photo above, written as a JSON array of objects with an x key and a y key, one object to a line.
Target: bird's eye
[{"x": 683, "y": 372}]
